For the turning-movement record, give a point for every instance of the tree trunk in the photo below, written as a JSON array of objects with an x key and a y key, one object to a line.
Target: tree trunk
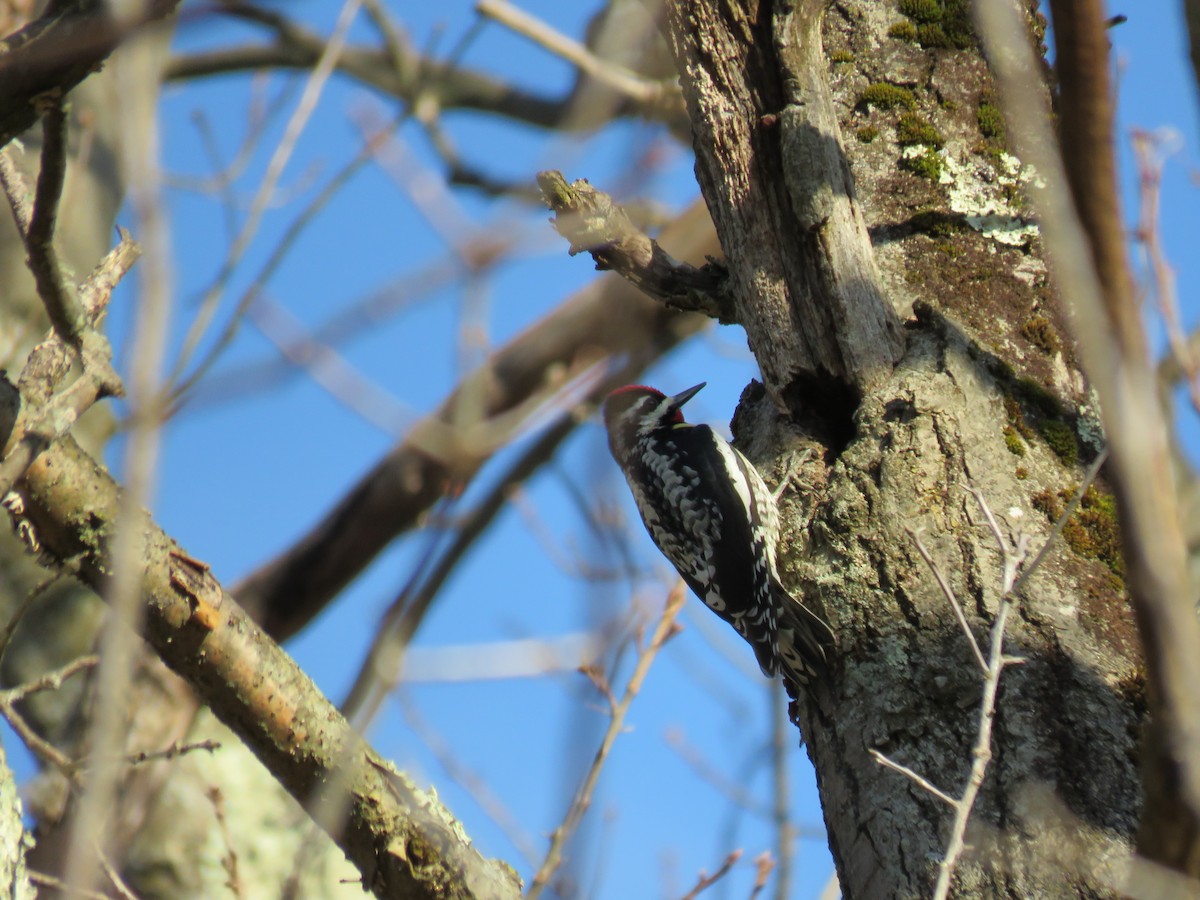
[{"x": 986, "y": 395}]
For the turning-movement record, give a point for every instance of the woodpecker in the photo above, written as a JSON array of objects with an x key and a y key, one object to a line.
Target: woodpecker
[{"x": 710, "y": 513}]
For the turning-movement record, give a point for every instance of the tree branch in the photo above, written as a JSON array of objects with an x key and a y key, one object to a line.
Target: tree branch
[
  {"x": 403, "y": 842},
  {"x": 57, "y": 51},
  {"x": 582, "y": 800},
  {"x": 593, "y": 223},
  {"x": 609, "y": 323},
  {"x": 448, "y": 86}
]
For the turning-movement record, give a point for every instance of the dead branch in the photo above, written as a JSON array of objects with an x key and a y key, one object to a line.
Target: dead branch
[{"x": 593, "y": 223}]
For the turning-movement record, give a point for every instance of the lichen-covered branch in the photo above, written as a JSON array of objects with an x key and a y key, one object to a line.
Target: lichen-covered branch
[{"x": 403, "y": 841}]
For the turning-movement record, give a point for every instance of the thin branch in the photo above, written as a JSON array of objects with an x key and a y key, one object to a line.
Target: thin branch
[
  {"x": 644, "y": 91},
  {"x": 16, "y": 190},
  {"x": 583, "y": 796},
  {"x": 948, "y": 593},
  {"x": 763, "y": 864},
  {"x": 19, "y": 613},
  {"x": 704, "y": 882},
  {"x": 445, "y": 83},
  {"x": 175, "y": 750},
  {"x": 1147, "y": 148},
  {"x": 50, "y": 681},
  {"x": 781, "y": 792},
  {"x": 229, "y": 860},
  {"x": 313, "y": 90},
  {"x": 594, "y": 223},
  {"x": 43, "y": 879},
  {"x": 981, "y": 754},
  {"x": 59, "y": 296},
  {"x": 381, "y": 668},
  {"x": 917, "y": 778},
  {"x": 34, "y": 742},
  {"x": 113, "y": 876},
  {"x": 1012, "y": 555}
]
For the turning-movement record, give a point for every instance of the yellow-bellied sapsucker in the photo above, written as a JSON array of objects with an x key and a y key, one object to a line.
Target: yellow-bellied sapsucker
[{"x": 713, "y": 517}]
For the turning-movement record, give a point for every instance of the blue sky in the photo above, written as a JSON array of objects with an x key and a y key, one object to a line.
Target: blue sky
[{"x": 243, "y": 478}]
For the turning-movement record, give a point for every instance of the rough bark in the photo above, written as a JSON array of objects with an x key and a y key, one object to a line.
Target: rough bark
[
  {"x": 987, "y": 394},
  {"x": 796, "y": 243}
]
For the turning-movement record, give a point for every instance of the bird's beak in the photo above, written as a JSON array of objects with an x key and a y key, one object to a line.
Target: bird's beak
[{"x": 684, "y": 396}]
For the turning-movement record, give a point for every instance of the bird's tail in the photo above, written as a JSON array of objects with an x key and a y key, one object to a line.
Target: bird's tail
[{"x": 804, "y": 640}]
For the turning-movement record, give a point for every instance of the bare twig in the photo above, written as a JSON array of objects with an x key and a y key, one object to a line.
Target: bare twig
[
  {"x": 175, "y": 750},
  {"x": 229, "y": 860},
  {"x": 916, "y": 777},
  {"x": 51, "y": 681},
  {"x": 1148, "y": 148},
  {"x": 61, "y": 300},
  {"x": 35, "y": 743},
  {"x": 781, "y": 792},
  {"x": 763, "y": 865},
  {"x": 1013, "y": 554},
  {"x": 114, "y": 877},
  {"x": 583, "y": 796},
  {"x": 981, "y": 755},
  {"x": 43, "y": 879},
  {"x": 948, "y": 593},
  {"x": 704, "y": 882},
  {"x": 16, "y": 191},
  {"x": 19, "y": 613},
  {"x": 644, "y": 91},
  {"x": 99, "y": 286},
  {"x": 313, "y": 89}
]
